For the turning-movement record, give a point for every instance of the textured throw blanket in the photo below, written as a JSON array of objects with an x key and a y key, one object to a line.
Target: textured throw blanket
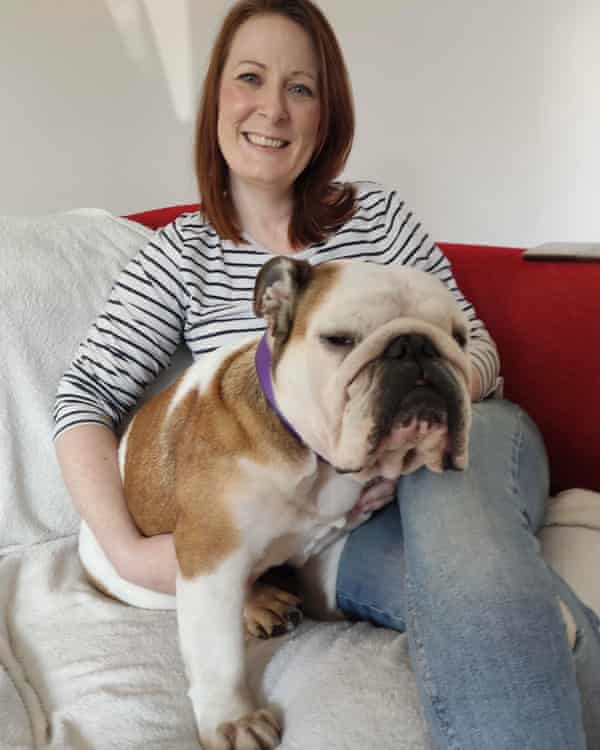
[
  {"x": 55, "y": 273},
  {"x": 79, "y": 671}
]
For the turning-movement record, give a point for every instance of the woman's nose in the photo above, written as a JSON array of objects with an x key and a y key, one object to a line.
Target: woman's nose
[{"x": 273, "y": 103}]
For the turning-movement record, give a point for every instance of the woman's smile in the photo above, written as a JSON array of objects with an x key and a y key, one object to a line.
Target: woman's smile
[{"x": 265, "y": 142}]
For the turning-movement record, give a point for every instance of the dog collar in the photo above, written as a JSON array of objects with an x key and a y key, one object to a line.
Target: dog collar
[
  {"x": 263, "y": 369},
  {"x": 262, "y": 359}
]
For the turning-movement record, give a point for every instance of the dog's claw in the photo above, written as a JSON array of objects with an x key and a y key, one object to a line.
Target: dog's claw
[
  {"x": 262, "y": 633},
  {"x": 258, "y": 731},
  {"x": 295, "y": 618},
  {"x": 279, "y": 629},
  {"x": 270, "y": 611}
]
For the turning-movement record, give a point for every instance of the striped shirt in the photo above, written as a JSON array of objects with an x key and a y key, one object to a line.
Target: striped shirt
[{"x": 188, "y": 285}]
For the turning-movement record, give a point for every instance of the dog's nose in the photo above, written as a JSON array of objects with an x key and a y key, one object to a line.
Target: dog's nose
[{"x": 410, "y": 346}]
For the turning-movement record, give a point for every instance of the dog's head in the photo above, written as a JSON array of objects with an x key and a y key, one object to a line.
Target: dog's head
[{"x": 369, "y": 364}]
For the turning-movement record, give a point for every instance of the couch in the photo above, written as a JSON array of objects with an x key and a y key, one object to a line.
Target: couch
[{"x": 81, "y": 671}]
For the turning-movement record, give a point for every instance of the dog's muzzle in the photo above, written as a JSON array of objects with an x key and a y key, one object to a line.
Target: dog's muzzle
[{"x": 416, "y": 392}]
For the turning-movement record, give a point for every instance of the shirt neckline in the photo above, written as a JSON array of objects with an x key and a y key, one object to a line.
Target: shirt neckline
[{"x": 255, "y": 246}]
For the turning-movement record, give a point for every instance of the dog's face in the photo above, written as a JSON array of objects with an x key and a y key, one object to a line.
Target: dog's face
[{"x": 370, "y": 364}]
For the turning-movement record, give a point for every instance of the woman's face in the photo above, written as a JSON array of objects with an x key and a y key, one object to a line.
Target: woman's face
[{"x": 269, "y": 103}]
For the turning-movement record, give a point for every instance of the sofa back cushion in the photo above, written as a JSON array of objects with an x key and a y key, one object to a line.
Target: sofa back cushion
[{"x": 545, "y": 319}]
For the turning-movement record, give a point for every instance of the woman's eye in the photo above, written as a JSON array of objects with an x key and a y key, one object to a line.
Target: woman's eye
[
  {"x": 248, "y": 77},
  {"x": 300, "y": 88}
]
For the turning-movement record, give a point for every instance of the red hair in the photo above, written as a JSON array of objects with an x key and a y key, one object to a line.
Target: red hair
[{"x": 319, "y": 207}]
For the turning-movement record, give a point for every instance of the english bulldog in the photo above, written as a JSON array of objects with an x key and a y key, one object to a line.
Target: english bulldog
[{"x": 258, "y": 454}]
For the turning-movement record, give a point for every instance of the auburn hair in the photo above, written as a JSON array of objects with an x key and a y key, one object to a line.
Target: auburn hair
[{"x": 320, "y": 207}]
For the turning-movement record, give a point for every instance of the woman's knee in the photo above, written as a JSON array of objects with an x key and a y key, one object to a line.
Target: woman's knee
[
  {"x": 497, "y": 417},
  {"x": 506, "y": 442},
  {"x": 507, "y": 468}
]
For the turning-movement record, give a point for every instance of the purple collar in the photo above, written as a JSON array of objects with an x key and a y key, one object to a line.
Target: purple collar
[{"x": 263, "y": 369}]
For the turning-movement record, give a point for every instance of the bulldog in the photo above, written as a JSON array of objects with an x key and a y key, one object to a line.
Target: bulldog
[{"x": 258, "y": 454}]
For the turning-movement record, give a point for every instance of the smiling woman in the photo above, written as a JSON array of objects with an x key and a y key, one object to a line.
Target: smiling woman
[{"x": 276, "y": 99}]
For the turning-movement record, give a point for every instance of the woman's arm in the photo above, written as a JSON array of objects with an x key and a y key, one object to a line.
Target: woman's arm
[
  {"x": 130, "y": 343},
  {"x": 87, "y": 455}
]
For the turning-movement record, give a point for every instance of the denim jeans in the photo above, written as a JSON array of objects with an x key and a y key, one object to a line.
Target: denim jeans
[{"x": 456, "y": 564}]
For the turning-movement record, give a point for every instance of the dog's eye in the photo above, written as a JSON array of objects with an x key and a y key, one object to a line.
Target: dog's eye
[
  {"x": 460, "y": 336},
  {"x": 339, "y": 341}
]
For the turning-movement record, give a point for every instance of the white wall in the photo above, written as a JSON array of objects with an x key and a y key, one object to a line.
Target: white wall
[{"x": 485, "y": 114}]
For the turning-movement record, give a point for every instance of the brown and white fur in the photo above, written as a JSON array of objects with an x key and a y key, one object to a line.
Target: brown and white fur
[{"x": 369, "y": 365}]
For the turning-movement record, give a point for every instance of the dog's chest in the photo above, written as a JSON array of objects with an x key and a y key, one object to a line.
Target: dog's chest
[{"x": 309, "y": 519}]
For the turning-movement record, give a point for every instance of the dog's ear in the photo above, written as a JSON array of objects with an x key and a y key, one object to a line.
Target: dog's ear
[{"x": 278, "y": 287}]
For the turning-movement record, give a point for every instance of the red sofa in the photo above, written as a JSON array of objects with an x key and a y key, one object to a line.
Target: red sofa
[{"x": 545, "y": 319}]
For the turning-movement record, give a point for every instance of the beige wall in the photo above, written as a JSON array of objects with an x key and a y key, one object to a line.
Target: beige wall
[{"x": 485, "y": 114}]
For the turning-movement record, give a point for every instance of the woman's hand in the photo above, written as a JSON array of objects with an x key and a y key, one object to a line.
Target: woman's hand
[
  {"x": 374, "y": 496},
  {"x": 88, "y": 458},
  {"x": 150, "y": 562},
  {"x": 476, "y": 385}
]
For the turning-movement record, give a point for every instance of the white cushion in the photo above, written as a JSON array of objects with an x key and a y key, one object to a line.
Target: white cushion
[{"x": 571, "y": 541}]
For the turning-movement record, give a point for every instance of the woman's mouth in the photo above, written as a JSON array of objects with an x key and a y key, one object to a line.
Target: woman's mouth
[{"x": 264, "y": 141}]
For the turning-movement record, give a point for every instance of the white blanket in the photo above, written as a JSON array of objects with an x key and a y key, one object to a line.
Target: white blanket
[
  {"x": 55, "y": 274},
  {"x": 83, "y": 671},
  {"x": 79, "y": 671}
]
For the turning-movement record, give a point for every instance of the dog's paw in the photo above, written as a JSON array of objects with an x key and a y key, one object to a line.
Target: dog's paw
[
  {"x": 259, "y": 730},
  {"x": 270, "y": 611}
]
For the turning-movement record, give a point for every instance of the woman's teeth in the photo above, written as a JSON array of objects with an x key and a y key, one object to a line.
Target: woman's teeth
[{"x": 262, "y": 140}]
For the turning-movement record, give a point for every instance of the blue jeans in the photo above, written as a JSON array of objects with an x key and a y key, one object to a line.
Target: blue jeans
[{"x": 457, "y": 565}]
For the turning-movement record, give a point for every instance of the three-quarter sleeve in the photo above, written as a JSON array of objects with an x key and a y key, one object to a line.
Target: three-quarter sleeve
[{"x": 132, "y": 340}]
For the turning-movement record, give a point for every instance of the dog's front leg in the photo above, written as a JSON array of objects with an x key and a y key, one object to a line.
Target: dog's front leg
[{"x": 211, "y": 634}]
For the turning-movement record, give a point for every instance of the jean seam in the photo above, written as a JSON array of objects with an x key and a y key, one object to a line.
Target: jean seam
[
  {"x": 517, "y": 448},
  {"x": 438, "y": 706},
  {"x": 354, "y": 603}
]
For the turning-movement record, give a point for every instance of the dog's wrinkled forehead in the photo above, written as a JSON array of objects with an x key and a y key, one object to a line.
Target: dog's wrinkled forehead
[
  {"x": 349, "y": 298},
  {"x": 365, "y": 296}
]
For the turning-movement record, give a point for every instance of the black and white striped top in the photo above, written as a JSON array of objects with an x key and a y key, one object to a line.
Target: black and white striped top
[{"x": 189, "y": 285}]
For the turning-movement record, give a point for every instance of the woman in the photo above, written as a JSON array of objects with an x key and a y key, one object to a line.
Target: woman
[{"x": 454, "y": 561}]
